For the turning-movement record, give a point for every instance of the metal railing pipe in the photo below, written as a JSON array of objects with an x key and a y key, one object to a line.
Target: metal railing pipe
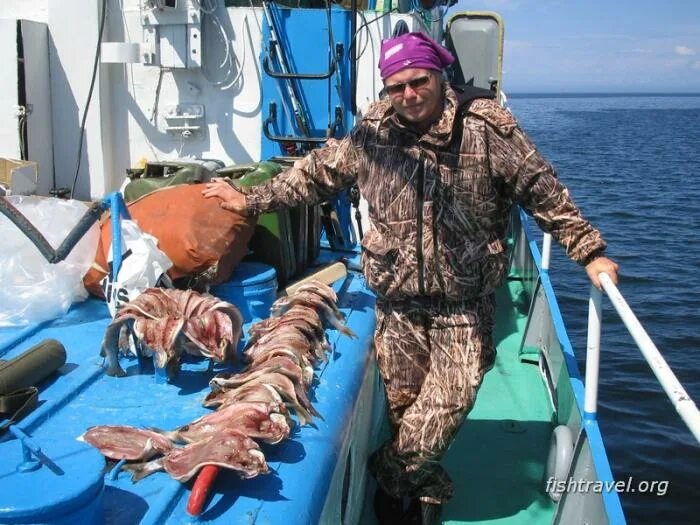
[
  {"x": 682, "y": 402},
  {"x": 546, "y": 250},
  {"x": 118, "y": 210},
  {"x": 590, "y": 405}
]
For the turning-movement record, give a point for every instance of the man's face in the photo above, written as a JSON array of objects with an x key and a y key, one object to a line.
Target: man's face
[{"x": 415, "y": 94}]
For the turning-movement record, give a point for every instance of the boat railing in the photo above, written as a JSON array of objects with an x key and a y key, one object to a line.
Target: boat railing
[
  {"x": 684, "y": 405},
  {"x": 682, "y": 402},
  {"x": 546, "y": 250}
]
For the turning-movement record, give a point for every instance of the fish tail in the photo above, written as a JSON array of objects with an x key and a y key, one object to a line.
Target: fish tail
[
  {"x": 303, "y": 415},
  {"x": 110, "y": 350},
  {"x": 114, "y": 369},
  {"x": 341, "y": 327},
  {"x": 348, "y": 332},
  {"x": 303, "y": 400},
  {"x": 315, "y": 413},
  {"x": 144, "y": 469}
]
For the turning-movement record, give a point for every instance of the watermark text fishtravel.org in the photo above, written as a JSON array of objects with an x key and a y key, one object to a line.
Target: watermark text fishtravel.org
[{"x": 630, "y": 486}]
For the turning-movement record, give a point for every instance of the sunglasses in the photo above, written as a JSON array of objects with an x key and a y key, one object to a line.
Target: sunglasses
[{"x": 398, "y": 89}]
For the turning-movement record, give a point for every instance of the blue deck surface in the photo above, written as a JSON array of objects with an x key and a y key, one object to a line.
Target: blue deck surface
[{"x": 81, "y": 395}]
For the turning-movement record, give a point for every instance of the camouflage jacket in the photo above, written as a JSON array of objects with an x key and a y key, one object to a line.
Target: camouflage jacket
[{"x": 439, "y": 202}]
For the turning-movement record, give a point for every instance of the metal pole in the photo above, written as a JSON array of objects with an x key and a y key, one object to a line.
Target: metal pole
[
  {"x": 546, "y": 250},
  {"x": 276, "y": 45},
  {"x": 116, "y": 235},
  {"x": 353, "y": 57},
  {"x": 684, "y": 405},
  {"x": 590, "y": 406},
  {"x": 118, "y": 211}
]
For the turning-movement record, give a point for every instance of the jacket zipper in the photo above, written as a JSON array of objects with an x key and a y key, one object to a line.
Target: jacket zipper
[{"x": 419, "y": 223}]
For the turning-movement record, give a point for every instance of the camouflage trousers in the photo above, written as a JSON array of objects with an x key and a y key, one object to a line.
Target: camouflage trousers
[{"x": 432, "y": 358}]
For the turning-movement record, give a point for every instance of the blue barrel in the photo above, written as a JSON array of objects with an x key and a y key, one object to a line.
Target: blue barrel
[{"x": 64, "y": 489}]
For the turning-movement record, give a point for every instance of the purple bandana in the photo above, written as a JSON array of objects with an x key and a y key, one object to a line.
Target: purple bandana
[{"x": 412, "y": 50}]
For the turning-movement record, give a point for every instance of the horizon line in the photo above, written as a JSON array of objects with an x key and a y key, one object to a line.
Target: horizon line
[{"x": 605, "y": 93}]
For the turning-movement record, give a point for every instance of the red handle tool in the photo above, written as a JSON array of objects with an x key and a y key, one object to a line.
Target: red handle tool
[{"x": 200, "y": 489}]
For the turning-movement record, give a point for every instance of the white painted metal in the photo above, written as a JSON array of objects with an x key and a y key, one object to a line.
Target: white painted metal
[
  {"x": 37, "y": 82},
  {"x": 684, "y": 405},
  {"x": 184, "y": 120},
  {"x": 73, "y": 26},
  {"x": 149, "y": 47},
  {"x": 37, "y": 107},
  {"x": 194, "y": 46},
  {"x": 173, "y": 46},
  {"x": 232, "y": 127},
  {"x": 546, "y": 250},
  {"x": 9, "y": 138},
  {"x": 120, "y": 132},
  {"x": 183, "y": 13},
  {"x": 590, "y": 406},
  {"x": 120, "y": 53}
]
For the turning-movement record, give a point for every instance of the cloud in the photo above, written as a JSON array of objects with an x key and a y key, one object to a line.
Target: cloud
[
  {"x": 696, "y": 65},
  {"x": 684, "y": 51}
]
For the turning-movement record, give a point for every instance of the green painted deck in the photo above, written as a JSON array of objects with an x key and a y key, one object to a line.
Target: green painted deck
[{"x": 497, "y": 460}]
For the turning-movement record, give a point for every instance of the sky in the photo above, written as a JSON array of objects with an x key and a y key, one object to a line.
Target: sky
[{"x": 598, "y": 46}]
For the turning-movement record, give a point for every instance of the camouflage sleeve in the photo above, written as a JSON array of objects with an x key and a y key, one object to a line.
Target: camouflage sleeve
[
  {"x": 532, "y": 182},
  {"x": 315, "y": 178}
]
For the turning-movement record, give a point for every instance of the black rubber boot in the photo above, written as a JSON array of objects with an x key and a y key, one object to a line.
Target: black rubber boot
[
  {"x": 430, "y": 513},
  {"x": 419, "y": 513},
  {"x": 387, "y": 508},
  {"x": 413, "y": 516}
]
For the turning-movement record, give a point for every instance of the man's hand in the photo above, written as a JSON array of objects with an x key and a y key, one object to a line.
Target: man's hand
[
  {"x": 600, "y": 265},
  {"x": 231, "y": 198}
]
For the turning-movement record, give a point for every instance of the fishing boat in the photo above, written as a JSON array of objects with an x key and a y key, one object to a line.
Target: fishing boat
[{"x": 96, "y": 88}]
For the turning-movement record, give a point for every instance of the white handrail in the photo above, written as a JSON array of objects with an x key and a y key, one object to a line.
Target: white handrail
[
  {"x": 546, "y": 250},
  {"x": 595, "y": 318},
  {"x": 684, "y": 405}
]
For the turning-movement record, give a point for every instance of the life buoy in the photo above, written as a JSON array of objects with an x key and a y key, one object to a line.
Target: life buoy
[{"x": 561, "y": 450}]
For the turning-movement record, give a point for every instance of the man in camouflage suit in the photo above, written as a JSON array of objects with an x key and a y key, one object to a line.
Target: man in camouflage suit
[{"x": 440, "y": 175}]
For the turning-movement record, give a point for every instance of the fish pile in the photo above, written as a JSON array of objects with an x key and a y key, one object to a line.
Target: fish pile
[
  {"x": 168, "y": 323},
  {"x": 282, "y": 351},
  {"x": 250, "y": 405}
]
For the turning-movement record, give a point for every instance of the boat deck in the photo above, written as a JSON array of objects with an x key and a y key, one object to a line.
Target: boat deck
[
  {"x": 81, "y": 395},
  {"x": 497, "y": 460}
]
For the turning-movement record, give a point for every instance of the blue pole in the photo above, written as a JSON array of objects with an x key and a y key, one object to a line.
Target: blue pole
[{"x": 118, "y": 210}]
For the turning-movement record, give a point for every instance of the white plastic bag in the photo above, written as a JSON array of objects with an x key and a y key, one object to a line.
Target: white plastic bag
[
  {"x": 31, "y": 289},
  {"x": 143, "y": 266}
]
